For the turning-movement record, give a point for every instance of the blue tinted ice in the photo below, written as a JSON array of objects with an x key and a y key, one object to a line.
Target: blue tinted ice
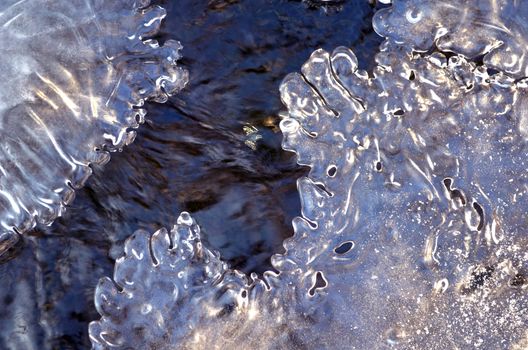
[
  {"x": 495, "y": 30},
  {"x": 75, "y": 75},
  {"x": 413, "y": 227}
]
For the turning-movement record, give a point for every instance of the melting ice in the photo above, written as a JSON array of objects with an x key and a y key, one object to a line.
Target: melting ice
[
  {"x": 413, "y": 227},
  {"x": 75, "y": 76}
]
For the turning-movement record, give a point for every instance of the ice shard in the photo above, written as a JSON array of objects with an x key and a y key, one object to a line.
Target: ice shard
[
  {"x": 413, "y": 227},
  {"x": 75, "y": 76}
]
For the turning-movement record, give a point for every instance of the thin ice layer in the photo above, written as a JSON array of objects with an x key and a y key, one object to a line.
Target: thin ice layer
[
  {"x": 495, "y": 30},
  {"x": 74, "y": 76},
  {"x": 413, "y": 232}
]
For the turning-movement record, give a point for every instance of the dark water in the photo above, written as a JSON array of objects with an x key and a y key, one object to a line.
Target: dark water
[{"x": 214, "y": 150}]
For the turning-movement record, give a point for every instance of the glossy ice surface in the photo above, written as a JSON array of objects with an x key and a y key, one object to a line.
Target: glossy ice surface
[
  {"x": 76, "y": 74},
  {"x": 47, "y": 293},
  {"x": 413, "y": 227},
  {"x": 492, "y": 31}
]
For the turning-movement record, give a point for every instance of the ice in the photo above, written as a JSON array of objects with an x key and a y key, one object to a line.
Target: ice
[
  {"x": 495, "y": 30},
  {"x": 421, "y": 167},
  {"x": 75, "y": 76},
  {"x": 413, "y": 227}
]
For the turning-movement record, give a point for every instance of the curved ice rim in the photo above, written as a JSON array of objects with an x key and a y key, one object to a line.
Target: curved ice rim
[{"x": 9, "y": 237}]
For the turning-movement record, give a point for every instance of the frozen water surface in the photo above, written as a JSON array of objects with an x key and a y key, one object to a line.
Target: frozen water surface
[
  {"x": 75, "y": 75},
  {"x": 189, "y": 156},
  {"x": 413, "y": 227}
]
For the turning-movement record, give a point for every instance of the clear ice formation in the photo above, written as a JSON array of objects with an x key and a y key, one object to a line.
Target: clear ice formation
[
  {"x": 413, "y": 232},
  {"x": 492, "y": 31},
  {"x": 75, "y": 76}
]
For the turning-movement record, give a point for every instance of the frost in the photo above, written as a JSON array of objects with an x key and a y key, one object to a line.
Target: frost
[
  {"x": 74, "y": 76},
  {"x": 413, "y": 227}
]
